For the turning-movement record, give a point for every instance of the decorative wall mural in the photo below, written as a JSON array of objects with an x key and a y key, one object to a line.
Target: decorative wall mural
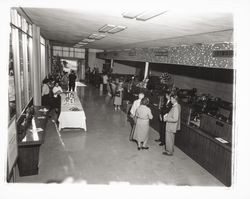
[{"x": 193, "y": 55}]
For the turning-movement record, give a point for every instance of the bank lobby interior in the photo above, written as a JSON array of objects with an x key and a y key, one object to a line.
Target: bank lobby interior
[{"x": 191, "y": 53}]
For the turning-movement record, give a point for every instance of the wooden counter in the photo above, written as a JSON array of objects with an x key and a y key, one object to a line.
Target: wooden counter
[
  {"x": 200, "y": 145},
  {"x": 211, "y": 154},
  {"x": 29, "y": 143}
]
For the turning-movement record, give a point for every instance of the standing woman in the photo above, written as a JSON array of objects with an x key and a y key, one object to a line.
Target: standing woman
[
  {"x": 118, "y": 97},
  {"x": 57, "y": 90},
  {"x": 45, "y": 93},
  {"x": 64, "y": 81},
  {"x": 143, "y": 115}
]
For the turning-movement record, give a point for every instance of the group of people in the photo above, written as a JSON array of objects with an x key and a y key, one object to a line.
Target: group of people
[
  {"x": 53, "y": 86},
  {"x": 169, "y": 121},
  {"x": 114, "y": 88}
]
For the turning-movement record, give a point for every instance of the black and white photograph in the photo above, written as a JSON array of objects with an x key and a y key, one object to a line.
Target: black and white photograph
[{"x": 139, "y": 98}]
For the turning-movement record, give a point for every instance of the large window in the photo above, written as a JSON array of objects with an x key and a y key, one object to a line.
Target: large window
[
  {"x": 21, "y": 69},
  {"x": 29, "y": 48},
  {"x": 67, "y": 52},
  {"x": 12, "y": 93},
  {"x": 20, "y": 91}
]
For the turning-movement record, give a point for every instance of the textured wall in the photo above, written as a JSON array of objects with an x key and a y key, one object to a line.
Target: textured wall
[
  {"x": 194, "y": 55},
  {"x": 123, "y": 69}
]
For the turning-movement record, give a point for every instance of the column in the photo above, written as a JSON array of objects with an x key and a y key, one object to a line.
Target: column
[
  {"x": 146, "y": 70},
  {"x": 112, "y": 63},
  {"x": 36, "y": 65},
  {"x": 25, "y": 68},
  {"x": 46, "y": 57}
]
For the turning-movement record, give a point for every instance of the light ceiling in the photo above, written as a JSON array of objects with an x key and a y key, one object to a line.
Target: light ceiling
[{"x": 68, "y": 27}]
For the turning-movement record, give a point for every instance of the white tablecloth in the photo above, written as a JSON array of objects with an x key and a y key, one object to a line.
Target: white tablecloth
[{"x": 72, "y": 119}]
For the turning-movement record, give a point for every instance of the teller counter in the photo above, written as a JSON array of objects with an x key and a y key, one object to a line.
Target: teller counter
[
  {"x": 207, "y": 151},
  {"x": 200, "y": 145}
]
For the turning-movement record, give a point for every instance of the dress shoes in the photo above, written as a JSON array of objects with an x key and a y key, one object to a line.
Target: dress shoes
[
  {"x": 146, "y": 148},
  {"x": 161, "y": 144},
  {"x": 158, "y": 140},
  {"x": 166, "y": 153}
]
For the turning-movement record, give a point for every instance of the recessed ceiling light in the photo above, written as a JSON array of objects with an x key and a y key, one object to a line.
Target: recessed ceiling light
[
  {"x": 100, "y": 37},
  {"x": 117, "y": 29},
  {"x": 106, "y": 28},
  {"x": 92, "y": 36},
  {"x": 82, "y": 43},
  {"x": 132, "y": 14},
  {"x": 88, "y": 40},
  {"x": 96, "y": 36},
  {"x": 149, "y": 15}
]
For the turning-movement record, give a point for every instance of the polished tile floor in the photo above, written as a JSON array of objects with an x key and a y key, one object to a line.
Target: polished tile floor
[{"x": 103, "y": 154}]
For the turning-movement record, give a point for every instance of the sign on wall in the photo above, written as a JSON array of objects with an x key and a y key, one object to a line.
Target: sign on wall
[{"x": 12, "y": 150}]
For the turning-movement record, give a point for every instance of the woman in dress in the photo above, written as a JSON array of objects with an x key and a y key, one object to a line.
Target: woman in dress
[
  {"x": 143, "y": 115},
  {"x": 118, "y": 96}
]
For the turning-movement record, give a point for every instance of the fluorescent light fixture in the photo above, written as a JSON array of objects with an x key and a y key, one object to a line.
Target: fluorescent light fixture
[
  {"x": 117, "y": 29},
  {"x": 82, "y": 43},
  {"x": 100, "y": 37},
  {"x": 106, "y": 28},
  {"x": 93, "y": 36},
  {"x": 88, "y": 40},
  {"x": 96, "y": 36},
  {"x": 149, "y": 15},
  {"x": 132, "y": 14}
]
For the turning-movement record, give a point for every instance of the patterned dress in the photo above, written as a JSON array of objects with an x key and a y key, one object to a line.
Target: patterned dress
[{"x": 143, "y": 115}]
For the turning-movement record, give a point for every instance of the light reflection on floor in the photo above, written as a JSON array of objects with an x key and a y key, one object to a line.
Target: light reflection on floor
[{"x": 104, "y": 156}]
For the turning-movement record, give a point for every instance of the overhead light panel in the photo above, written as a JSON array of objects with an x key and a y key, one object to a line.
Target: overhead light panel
[
  {"x": 100, "y": 37},
  {"x": 117, "y": 29},
  {"x": 131, "y": 14},
  {"x": 149, "y": 15},
  {"x": 106, "y": 28},
  {"x": 82, "y": 43},
  {"x": 96, "y": 36},
  {"x": 88, "y": 40}
]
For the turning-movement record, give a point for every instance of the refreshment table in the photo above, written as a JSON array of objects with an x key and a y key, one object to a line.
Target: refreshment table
[{"x": 72, "y": 114}]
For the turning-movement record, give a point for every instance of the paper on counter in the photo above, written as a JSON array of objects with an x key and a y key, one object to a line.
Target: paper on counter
[
  {"x": 43, "y": 110},
  {"x": 37, "y": 130},
  {"x": 221, "y": 140}
]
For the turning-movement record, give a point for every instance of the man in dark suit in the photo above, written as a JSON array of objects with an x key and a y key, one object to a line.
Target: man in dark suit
[
  {"x": 72, "y": 81},
  {"x": 165, "y": 108}
]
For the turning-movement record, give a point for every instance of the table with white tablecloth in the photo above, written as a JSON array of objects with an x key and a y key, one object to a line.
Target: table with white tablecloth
[{"x": 72, "y": 114}]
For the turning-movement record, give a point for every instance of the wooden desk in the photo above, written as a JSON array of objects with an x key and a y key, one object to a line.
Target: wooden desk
[{"x": 29, "y": 144}]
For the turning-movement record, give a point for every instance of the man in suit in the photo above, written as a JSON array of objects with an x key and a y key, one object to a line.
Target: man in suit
[
  {"x": 173, "y": 123},
  {"x": 166, "y": 107}
]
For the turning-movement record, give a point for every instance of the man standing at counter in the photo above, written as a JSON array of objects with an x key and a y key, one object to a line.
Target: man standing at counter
[
  {"x": 173, "y": 123},
  {"x": 165, "y": 108}
]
